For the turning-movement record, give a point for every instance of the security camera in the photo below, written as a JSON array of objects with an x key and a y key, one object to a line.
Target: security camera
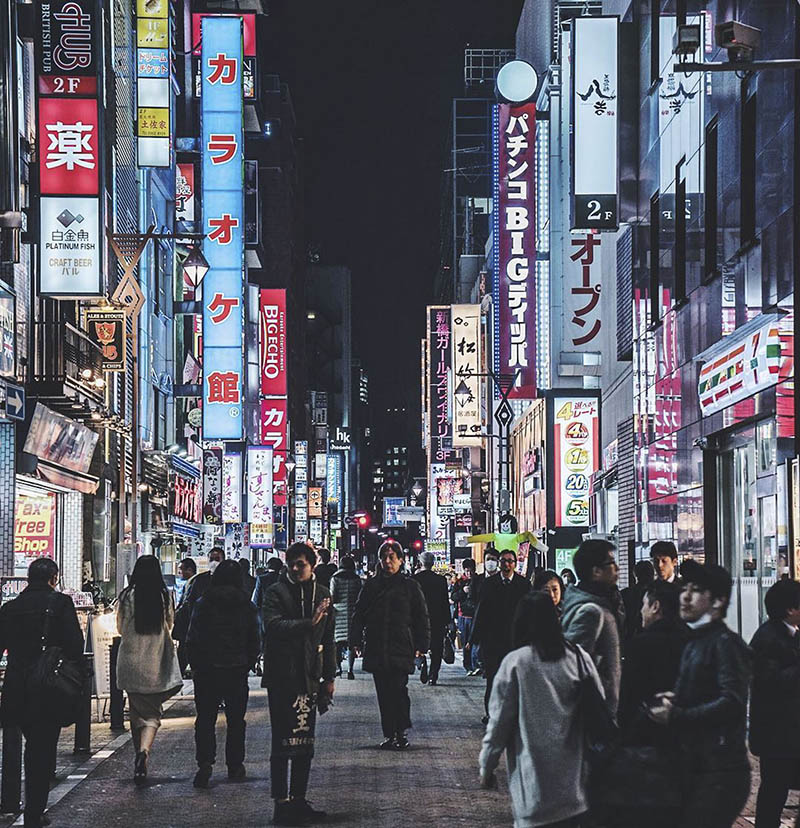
[
  {"x": 701, "y": 443},
  {"x": 739, "y": 40},
  {"x": 686, "y": 40}
]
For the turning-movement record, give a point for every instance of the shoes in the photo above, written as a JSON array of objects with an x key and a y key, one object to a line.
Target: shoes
[
  {"x": 475, "y": 672},
  {"x": 387, "y": 744},
  {"x": 401, "y": 742},
  {"x": 237, "y": 774},
  {"x": 42, "y": 822},
  {"x": 202, "y": 777},
  {"x": 140, "y": 768},
  {"x": 423, "y": 671},
  {"x": 433, "y": 681},
  {"x": 484, "y": 720},
  {"x": 284, "y": 813},
  {"x": 305, "y": 813},
  {"x": 339, "y": 673},
  {"x": 351, "y": 675},
  {"x": 46, "y": 820}
]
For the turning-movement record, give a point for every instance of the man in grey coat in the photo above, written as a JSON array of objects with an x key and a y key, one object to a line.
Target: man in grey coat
[{"x": 593, "y": 614}]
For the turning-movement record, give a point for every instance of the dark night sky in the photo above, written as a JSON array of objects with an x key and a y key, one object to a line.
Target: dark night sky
[{"x": 372, "y": 82}]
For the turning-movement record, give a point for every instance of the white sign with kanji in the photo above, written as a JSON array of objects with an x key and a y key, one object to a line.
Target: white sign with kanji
[{"x": 70, "y": 248}]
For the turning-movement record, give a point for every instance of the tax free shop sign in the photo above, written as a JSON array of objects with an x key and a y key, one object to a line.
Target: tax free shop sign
[{"x": 223, "y": 222}]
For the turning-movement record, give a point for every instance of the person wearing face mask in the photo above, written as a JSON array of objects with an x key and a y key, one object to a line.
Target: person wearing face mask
[
  {"x": 491, "y": 559},
  {"x": 299, "y": 670},
  {"x": 707, "y": 711},
  {"x": 499, "y": 597}
]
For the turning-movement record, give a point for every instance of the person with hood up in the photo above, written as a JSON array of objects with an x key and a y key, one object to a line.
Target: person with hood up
[
  {"x": 345, "y": 586},
  {"x": 593, "y": 615},
  {"x": 223, "y": 645},
  {"x": 390, "y": 624},
  {"x": 707, "y": 711},
  {"x": 299, "y": 670}
]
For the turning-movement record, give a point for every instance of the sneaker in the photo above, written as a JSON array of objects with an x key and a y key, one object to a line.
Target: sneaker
[
  {"x": 434, "y": 681},
  {"x": 387, "y": 744},
  {"x": 306, "y": 813},
  {"x": 237, "y": 773},
  {"x": 351, "y": 675},
  {"x": 401, "y": 742},
  {"x": 475, "y": 672},
  {"x": 484, "y": 720},
  {"x": 284, "y": 813},
  {"x": 423, "y": 670},
  {"x": 202, "y": 777}
]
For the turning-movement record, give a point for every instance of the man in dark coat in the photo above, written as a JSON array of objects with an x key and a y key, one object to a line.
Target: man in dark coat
[
  {"x": 193, "y": 592},
  {"x": 492, "y": 626},
  {"x": 21, "y": 628},
  {"x": 707, "y": 711},
  {"x": 390, "y": 624},
  {"x": 325, "y": 570},
  {"x": 775, "y": 691},
  {"x": 464, "y": 592},
  {"x": 299, "y": 670},
  {"x": 434, "y": 588},
  {"x": 664, "y": 555}
]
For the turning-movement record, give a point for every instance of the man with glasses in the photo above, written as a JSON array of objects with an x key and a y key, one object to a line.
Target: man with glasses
[
  {"x": 491, "y": 628},
  {"x": 594, "y": 616}
]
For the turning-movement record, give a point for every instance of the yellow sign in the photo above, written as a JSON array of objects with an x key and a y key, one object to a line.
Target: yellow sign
[
  {"x": 152, "y": 33},
  {"x": 153, "y": 123},
  {"x": 152, "y": 8}
]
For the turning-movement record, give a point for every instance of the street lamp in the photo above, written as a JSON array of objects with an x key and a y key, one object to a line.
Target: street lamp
[
  {"x": 290, "y": 464},
  {"x": 195, "y": 266}
]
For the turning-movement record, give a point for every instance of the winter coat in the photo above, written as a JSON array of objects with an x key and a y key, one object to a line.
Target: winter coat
[
  {"x": 345, "y": 586},
  {"x": 21, "y": 623},
  {"x": 464, "y": 596},
  {"x": 146, "y": 663},
  {"x": 223, "y": 631},
  {"x": 652, "y": 659},
  {"x": 434, "y": 588},
  {"x": 192, "y": 593},
  {"x": 297, "y": 654},
  {"x": 710, "y": 703},
  {"x": 534, "y": 717},
  {"x": 495, "y": 614},
  {"x": 775, "y": 691},
  {"x": 324, "y": 572},
  {"x": 591, "y": 621},
  {"x": 391, "y": 622}
]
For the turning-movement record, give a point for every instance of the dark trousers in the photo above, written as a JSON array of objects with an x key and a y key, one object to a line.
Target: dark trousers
[
  {"x": 41, "y": 744},
  {"x": 210, "y": 688},
  {"x": 491, "y": 664},
  {"x": 464, "y": 632},
  {"x": 393, "y": 701},
  {"x": 279, "y": 774},
  {"x": 778, "y": 776},
  {"x": 437, "y": 648},
  {"x": 714, "y": 799},
  {"x": 341, "y": 646}
]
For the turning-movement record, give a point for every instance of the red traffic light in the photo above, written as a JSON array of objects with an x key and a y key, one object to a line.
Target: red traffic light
[
  {"x": 417, "y": 545},
  {"x": 362, "y": 521}
]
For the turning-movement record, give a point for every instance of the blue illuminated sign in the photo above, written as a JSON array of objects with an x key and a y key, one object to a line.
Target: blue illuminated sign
[
  {"x": 223, "y": 222},
  {"x": 334, "y": 484}
]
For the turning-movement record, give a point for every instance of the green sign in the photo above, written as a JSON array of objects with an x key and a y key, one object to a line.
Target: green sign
[{"x": 564, "y": 558}]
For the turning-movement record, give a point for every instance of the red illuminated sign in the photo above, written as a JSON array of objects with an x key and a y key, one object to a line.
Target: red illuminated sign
[
  {"x": 274, "y": 418},
  {"x": 273, "y": 343},
  {"x": 249, "y": 31},
  {"x": 68, "y": 146}
]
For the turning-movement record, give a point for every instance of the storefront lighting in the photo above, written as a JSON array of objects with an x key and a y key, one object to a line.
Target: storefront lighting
[
  {"x": 96, "y": 416},
  {"x": 195, "y": 266},
  {"x": 311, "y": 315},
  {"x": 143, "y": 487},
  {"x": 86, "y": 373},
  {"x": 99, "y": 383}
]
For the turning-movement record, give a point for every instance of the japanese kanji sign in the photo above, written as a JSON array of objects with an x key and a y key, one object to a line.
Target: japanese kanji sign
[
  {"x": 68, "y": 146},
  {"x": 595, "y": 101},
  {"x": 515, "y": 245},
  {"x": 184, "y": 192},
  {"x": 223, "y": 220},
  {"x": 69, "y": 247},
  {"x": 212, "y": 485},
  {"x": 466, "y": 344},
  {"x": 153, "y": 91},
  {"x": 259, "y": 495},
  {"x": 582, "y": 266},
  {"x": 232, "y": 487},
  {"x": 576, "y": 432},
  {"x": 273, "y": 343},
  {"x": 439, "y": 365}
]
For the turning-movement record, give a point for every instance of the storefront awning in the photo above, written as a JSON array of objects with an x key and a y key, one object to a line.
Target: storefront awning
[{"x": 59, "y": 476}]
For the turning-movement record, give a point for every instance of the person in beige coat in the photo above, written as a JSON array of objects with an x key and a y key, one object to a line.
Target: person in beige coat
[{"x": 147, "y": 665}]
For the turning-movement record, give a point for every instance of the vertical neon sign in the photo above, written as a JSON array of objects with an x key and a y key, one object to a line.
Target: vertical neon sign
[{"x": 223, "y": 221}]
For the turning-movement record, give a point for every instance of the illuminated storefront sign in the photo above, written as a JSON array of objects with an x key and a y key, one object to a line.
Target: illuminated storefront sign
[
  {"x": 576, "y": 436},
  {"x": 595, "y": 101},
  {"x": 70, "y": 253},
  {"x": 581, "y": 292},
  {"x": 249, "y": 64},
  {"x": 66, "y": 62},
  {"x": 212, "y": 485},
  {"x": 273, "y": 343},
  {"x": 275, "y": 433},
  {"x": 184, "y": 192},
  {"x": 153, "y": 89},
  {"x": 301, "y": 504},
  {"x": 69, "y": 146},
  {"x": 439, "y": 365},
  {"x": 260, "y": 514},
  {"x": 515, "y": 245},
  {"x": 232, "y": 487},
  {"x": 107, "y": 330},
  {"x": 223, "y": 219},
  {"x": 184, "y": 491},
  {"x": 315, "y": 502},
  {"x": 35, "y": 525},
  {"x": 466, "y": 343},
  {"x": 390, "y": 507},
  {"x": 334, "y": 486}
]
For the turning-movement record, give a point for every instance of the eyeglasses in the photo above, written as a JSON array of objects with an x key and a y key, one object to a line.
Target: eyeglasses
[{"x": 507, "y": 560}]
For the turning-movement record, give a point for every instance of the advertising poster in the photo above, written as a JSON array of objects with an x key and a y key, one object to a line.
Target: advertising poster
[
  {"x": 232, "y": 487},
  {"x": 439, "y": 367},
  {"x": 260, "y": 514},
  {"x": 390, "y": 507},
  {"x": 70, "y": 254},
  {"x": 34, "y": 527},
  {"x": 60, "y": 440},
  {"x": 576, "y": 435},
  {"x": 184, "y": 192}
]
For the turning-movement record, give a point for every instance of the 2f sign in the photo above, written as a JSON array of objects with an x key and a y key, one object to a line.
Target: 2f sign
[{"x": 595, "y": 212}]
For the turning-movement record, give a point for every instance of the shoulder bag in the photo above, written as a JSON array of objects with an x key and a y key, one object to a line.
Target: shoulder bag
[{"x": 600, "y": 730}]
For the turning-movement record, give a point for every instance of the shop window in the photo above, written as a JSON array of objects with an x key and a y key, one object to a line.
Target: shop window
[
  {"x": 767, "y": 445},
  {"x": 655, "y": 40}
]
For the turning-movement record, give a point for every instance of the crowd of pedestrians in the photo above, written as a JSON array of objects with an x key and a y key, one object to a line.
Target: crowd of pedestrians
[{"x": 615, "y": 709}]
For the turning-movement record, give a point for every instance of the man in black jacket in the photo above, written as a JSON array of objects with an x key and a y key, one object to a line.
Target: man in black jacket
[
  {"x": 21, "y": 629},
  {"x": 708, "y": 708},
  {"x": 492, "y": 627},
  {"x": 774, "y": 717},
  {"x": 390, "y": 623},
  {"x": 465, "y": 603},
  {"x": 434, "y": 588},
  {"x": 325, "y": 570}
]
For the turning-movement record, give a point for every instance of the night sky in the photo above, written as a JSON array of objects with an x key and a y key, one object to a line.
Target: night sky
[{"x": 372, "y": 82}]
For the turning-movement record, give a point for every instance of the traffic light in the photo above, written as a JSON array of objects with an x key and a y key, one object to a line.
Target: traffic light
[
  {"x": 362, "y": 521},
  {"x": 417, "y": 545}
]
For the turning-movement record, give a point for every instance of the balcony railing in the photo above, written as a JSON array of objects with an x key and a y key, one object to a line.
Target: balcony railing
[{"x": 63, "y": 353}]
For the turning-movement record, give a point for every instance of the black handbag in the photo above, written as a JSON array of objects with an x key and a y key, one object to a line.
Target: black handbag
[
  {"x": 54, "y": 680},
  {"x": 448, "y": 651},
  {"x": 600, "y": 730}
]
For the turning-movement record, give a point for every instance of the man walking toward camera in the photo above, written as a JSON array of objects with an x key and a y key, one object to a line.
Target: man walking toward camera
[{"x": 434, "y": 588}]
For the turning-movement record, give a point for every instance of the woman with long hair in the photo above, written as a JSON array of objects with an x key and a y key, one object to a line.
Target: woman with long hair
[
  {"x": 534, "y": 716},
  {"x": 551, "y": 583},
  {"x": 147, "y": 665}
]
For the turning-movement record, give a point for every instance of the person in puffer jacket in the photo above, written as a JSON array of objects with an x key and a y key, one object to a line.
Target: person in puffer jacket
[{"x": 223, "y": 645}]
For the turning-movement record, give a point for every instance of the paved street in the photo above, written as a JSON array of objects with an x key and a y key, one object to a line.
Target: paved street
[{"x": 434, "y": 783}]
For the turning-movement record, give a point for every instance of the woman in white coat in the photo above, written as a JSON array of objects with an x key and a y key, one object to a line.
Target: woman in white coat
[
  {"x": 534, "y": 717},
  {"x": 147, "y": 665}
]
